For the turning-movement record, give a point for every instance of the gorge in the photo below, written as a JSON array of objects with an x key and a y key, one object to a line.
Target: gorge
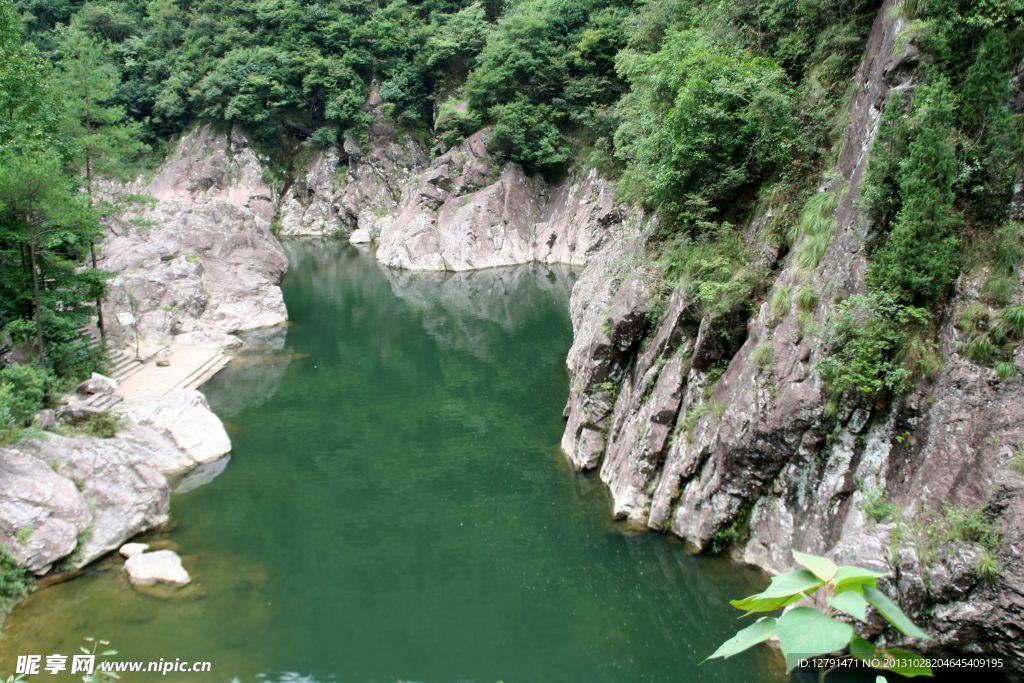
[{"x": 394, "y": 411}]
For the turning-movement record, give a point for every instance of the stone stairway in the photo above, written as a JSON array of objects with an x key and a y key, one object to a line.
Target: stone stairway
[{"x": 204, "y": 372}]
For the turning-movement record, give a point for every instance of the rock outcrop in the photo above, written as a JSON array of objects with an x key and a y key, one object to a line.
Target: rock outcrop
[
  {"x": 72, "y": 499},
  {"x": 355, "y": 188},
  {"x": 464, "y": 212},
  {"x": 199, "y": 263},
  {"x": 714, "y": 427}
]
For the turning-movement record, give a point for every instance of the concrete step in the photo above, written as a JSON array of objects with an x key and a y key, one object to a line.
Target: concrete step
[
  {"x": 203, "y": 373},
  {"x": 103, "y": 401}
]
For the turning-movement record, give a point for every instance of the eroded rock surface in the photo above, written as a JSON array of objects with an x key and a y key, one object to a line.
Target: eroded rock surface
[
  {"x": 200, "y": 263},
  {"x": 465, "y": 212},
  {"x": 355, "y": 188}
]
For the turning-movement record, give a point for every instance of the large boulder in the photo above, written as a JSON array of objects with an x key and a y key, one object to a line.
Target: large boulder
[
  {"x": 41, "y": 512},
  {"x": 76, "y": 498},
  {"x": 184, "y": 418},
  {"x": 80, "y": 496}
]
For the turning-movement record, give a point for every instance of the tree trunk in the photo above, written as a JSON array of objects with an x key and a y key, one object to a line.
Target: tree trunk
[
  {"x": 37, "y": 301},
  {"x": 92, "y": 253}
]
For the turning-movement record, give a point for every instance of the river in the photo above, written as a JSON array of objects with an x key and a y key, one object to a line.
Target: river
[{"x": 396, "y": 508}]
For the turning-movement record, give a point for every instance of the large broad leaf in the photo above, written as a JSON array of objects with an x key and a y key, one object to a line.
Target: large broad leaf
[
  {"x": 758, "y": 632},
  {"x": 848, "y": 577},
  {"x": 907, "y": 663},
  {"x": 822, "y": 567},
  {"x": 897, "y": 660},
  {"x": 783, "y": 590},
  {"x": 862, "y": 649},
  {"x": 892, "y": 613},
  {"x": 850, "y": 602},
  {"x": 806, "y": 632}
]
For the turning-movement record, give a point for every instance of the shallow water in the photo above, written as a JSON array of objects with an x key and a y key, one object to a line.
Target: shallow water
[{"x": 397, "y": 509}]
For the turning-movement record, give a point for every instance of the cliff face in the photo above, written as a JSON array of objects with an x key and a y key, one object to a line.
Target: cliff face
[
  {"x": 749, "y": 458},
  {"x": 198, "y": 262}
]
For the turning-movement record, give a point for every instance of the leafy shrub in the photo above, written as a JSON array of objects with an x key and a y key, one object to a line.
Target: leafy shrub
[
  {"x": 102, "y": 425},
  {"x": 526, "y": 133},
  {"x": 15, "y": 582},
  {"x": 763, "y": 355},
  {"x": 979, "y": 348},
  {"x": 1013, "y": 316},
  {"x": 22, "y": 393},
  {"x": 781, "y": 304},
  {"x": 702, "y": 121},
  {"x": 806, "y": 299},
  {"x": 877, "y": 506},
  {"x": 918, "y": 259},
  {"x": 813, "y": 231},
  {"x": 1017, "y": 461},
  {"x": 865, "y": 338},
  {"x": 1005, "y": 369},
  {"x": 715, "y": 270},
  {"x": 987, "y": 568}
]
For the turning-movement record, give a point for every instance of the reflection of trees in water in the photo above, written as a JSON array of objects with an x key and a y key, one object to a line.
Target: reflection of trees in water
[{"x": 459, "y": 309}]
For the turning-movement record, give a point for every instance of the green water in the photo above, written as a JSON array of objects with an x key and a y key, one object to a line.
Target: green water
[{"x": 397, "y": 509}]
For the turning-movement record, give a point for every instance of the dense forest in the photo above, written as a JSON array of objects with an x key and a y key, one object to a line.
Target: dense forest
[{"x": 699, "y": 112}]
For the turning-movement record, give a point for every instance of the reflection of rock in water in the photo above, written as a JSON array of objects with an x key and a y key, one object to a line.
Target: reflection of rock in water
[
  {"x": 253, "y": 375},
  {"x": 455, "y": 304},
  {"x": 201, "y": 476}
]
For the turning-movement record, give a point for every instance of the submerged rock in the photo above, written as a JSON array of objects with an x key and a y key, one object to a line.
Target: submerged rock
[
  {"x": 159, "y": 566},
  {"x": 133, "y": 549}
]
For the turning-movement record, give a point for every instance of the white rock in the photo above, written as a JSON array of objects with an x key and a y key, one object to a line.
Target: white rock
[
  {"x": 133, "y": 549},
  {"x": 160, "y": 566},
  {"x": 360, "y": 236},
  {"x": 183, "y": 417}
]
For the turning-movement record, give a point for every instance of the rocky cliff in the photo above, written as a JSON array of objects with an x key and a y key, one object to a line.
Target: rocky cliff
[
  {"x": 467, "y": 212},
  {"x": 715, "y": 428},
  {"x": 357, "y": 187},
  {"x": 194, "y": 259}
]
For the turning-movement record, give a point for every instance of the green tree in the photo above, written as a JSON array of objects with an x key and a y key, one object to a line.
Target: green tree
[
  {"x": 919, "y": 258},
  {"x": 49, "y": 223},
  {"x": 702, "y": 122},
  {"x": 103, "y": 141}
]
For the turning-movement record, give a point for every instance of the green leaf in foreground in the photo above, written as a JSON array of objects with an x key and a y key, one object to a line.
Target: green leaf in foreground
[
  {"x": 850, "y": 602},
  {"x": 758, "y": 632},
  {"x": 848, "y": 577},
  {"x": 783, "y": 590},
  {"x": 806, "y": 632},
  {"x": 892, "y": 613},
  {"x": 897, "y": 660},
  {"x": 822, "y": 567}
]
